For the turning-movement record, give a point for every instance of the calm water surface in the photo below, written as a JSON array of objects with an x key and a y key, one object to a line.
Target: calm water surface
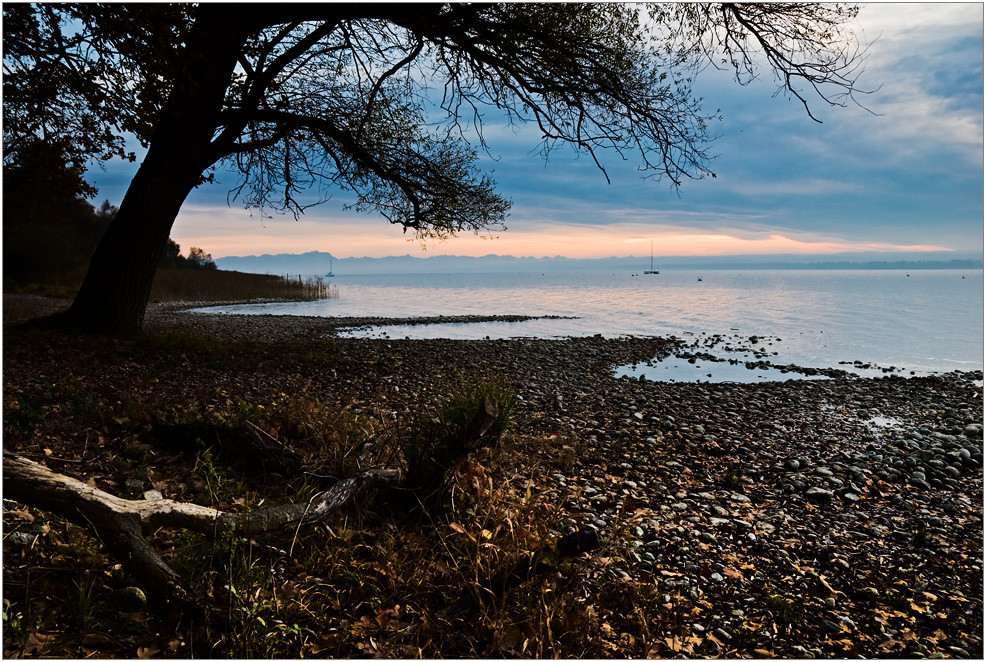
[{"x": 923, "y": 321}]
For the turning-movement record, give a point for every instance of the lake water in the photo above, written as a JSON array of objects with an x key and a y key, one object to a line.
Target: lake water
[{"x": 922, "y": 321}]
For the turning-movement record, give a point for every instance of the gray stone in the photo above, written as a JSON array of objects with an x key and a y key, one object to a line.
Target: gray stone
[
  {"x": 21, "y": 538},
  {"x": 818, "y": 494},
  {"x": 973, "y": 431}
]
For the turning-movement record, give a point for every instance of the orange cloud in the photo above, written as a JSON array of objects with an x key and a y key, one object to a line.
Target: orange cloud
[{"x": 224, "y": 231}]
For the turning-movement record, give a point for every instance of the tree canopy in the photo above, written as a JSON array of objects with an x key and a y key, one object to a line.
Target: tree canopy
[{"x": 386, "y": 101}]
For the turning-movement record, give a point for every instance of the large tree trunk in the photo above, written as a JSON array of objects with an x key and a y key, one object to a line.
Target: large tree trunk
[{"x": 117, "y": 286}]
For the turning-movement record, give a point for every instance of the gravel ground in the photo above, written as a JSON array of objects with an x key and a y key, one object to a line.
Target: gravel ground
[{"x": 850, "y": 509}]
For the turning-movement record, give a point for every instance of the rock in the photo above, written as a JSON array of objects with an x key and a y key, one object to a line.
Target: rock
[
  {"x": 131, "y": 598},
  {"x": 973, "y": 431},
  {"x": 792, "y": 465},
  {"x": 870, "y": 593},
  {"x": 21, "y": 539},
  {"x": 819, "y": 494},
  {"x": 153, "y": 495}
]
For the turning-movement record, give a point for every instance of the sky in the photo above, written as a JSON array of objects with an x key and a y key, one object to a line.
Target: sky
[{"x": 901, "y": 173}]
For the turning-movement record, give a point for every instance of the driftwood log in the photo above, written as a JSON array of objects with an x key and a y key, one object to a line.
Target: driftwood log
[{"x": 122, "y": 523}]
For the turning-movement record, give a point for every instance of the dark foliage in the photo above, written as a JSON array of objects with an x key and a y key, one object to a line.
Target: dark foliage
[{"x": 48, "y": 226}]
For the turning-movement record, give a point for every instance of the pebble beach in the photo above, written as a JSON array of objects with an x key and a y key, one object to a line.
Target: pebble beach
[{"x": 852, "y": 505}]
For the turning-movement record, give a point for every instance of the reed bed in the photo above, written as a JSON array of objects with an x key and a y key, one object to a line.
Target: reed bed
[{"x": 207, "y": 285}]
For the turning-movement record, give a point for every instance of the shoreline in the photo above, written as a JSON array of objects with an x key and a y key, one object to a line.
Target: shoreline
[
  {"x": 273, "y": 327},
  {"x": 854, "y": 506}
]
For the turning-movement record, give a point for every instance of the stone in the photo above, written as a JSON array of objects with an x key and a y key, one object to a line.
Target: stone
[
  {"x": 21, "y": 539},
  {"x": 819, "y": 494},
  {"x": 868, "y": 593},
  {"x": 131, "y": 598}
]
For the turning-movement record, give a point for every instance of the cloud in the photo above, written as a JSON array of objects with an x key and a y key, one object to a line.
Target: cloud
[
  {"x": 224, "y": 232},
  {"x": 906, "y": 178}
]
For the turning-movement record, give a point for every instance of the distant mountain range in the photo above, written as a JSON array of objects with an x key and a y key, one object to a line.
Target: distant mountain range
[{"x": 317, "y": 262}]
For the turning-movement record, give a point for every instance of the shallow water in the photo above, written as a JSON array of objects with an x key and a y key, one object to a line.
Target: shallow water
[{"x": 924, "y": 321}]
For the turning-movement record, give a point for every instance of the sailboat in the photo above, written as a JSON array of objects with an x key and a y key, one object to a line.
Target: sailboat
[
  {"x": 330, "y": 274},
  {"x": 651, "y": 270}
]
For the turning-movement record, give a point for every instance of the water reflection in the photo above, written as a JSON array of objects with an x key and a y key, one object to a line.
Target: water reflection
[{"x": 929, "y": 322}]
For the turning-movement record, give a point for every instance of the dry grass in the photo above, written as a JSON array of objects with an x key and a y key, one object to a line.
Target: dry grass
[
  {"x": 203, "y": 285},
  {"x": 197, "y": 285}
]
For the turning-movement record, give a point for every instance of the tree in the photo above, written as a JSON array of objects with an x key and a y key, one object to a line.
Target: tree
[
  {"x": 49, "y": 228},
  {"x": 376, "y": 99},
  {"x": 199, "y": 259},
  {"x": 172, "y": 258}
]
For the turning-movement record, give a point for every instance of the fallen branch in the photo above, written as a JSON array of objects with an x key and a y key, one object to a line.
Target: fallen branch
[{"x": 122, "y": 523}]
